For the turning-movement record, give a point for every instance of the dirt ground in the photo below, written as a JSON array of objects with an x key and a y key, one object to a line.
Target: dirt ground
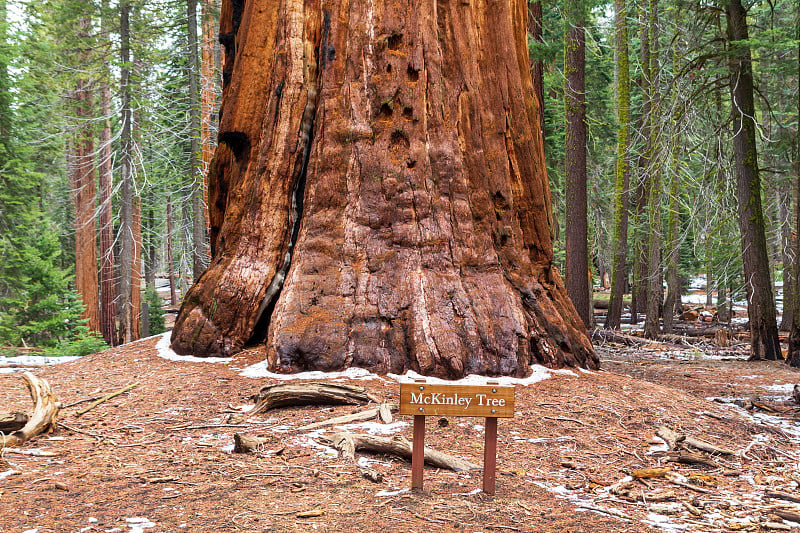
[{"x": 157, "y": 458}]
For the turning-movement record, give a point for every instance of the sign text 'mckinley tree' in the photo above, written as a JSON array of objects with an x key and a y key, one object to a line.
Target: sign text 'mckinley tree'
[{"x": 379, "y": 196}]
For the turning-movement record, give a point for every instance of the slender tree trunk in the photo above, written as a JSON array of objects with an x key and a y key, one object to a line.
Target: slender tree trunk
[
  {"x": 794, "y": 333},
  {"x": 127, "y": 312},
  {"x": 672, "y": 299},
  {"x": 788, "y": 257},
  {"x": 136, "y": 271},
  {"x": 85, "y": 197},
  {"x": 173, "y": 293},
  {"x": 640, "y": 212},
  {"x": 535, "y": 29},
  {"x": 760, "y": 302},
  {"x": 148, "y": 242},
  {"x": 390, "y": 212},
  {"x": 621, "y": 178},
  {"x": 575, "y": 162},
  {"x": 198, "y": 218},
  {"x": 655, "y": 276},
  {"x": 208, "y": 85},
  {"x": 108, "y": 293},
  {"x": 6, "y": 114},
  {"x": 724, "y": 304}
]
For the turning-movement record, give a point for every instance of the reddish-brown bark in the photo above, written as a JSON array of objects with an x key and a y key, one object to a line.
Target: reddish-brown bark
[
  {"x": 385, "y": 159},
  {"x": 84, "y": 196}
]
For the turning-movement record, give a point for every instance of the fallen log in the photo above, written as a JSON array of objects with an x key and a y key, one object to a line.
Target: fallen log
[
  {"x": 44, "y": 416},
  {"x": 310, "y": 393},
  {"x": 608, "y": 335},
  {"x": 12, "y": 421},
  {"x": 360, "y": 416},
  {"x": 349, "y": 443}
]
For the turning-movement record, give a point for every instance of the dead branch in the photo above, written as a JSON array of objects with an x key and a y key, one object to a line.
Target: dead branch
[
  {"x": 782, "y": 496},
  {"x": 608, "y": 335},
  {"x": 360, "y": 416},
  {"x": 673, "y": 438},
  {"x": 690, "y": 458},
  {"x": 105, "y": 399},
  {"x": 12, "y": 421},
  {"x": 45, "y": 412},
  {"x": 787, "y": 515},
  {"x": 670, "y": 436},
  {"x": 349, "y": 443},
  {"x": 247, "y": 443},
  {"x": 310, "y": 393}
]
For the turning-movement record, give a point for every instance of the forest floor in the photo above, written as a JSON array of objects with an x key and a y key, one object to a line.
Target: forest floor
[{"x": 159, "y": 457}]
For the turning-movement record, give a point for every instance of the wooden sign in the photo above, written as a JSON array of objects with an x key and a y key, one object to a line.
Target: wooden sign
[
  {"x": 422, "y": 399},
  {"x": 456, "y": 400}
]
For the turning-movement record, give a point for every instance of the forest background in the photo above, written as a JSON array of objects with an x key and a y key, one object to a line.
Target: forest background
[{"x": 107, "y": 125}]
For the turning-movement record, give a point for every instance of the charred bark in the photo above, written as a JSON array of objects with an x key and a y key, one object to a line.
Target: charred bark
[{"x": 379, "y": 196}]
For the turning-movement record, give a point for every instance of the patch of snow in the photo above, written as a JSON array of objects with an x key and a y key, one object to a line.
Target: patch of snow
[
  {"x": 259, "y": 370},
  {"x": 7, "y": 473},
  {"x": 25, "y": 362},
  {"x": 377, "y": 428},
  {"x": 164, "y": 351},
  {"x": 366, "y": 462},
  {"x": 664, "y": 522},
  {"x": 539, "y": 373},
  {"x": 138, "y": 524},
  {"x": 787, "y": 388},
  {"x": 386, "y": 493},
  {"x": 470, "y": 493}
]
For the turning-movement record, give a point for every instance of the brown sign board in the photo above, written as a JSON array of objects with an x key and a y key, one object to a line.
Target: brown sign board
[{"x": 419, "y": 398}]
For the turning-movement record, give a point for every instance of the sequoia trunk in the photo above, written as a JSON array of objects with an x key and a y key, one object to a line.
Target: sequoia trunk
[{"x": 379, "y": 197}]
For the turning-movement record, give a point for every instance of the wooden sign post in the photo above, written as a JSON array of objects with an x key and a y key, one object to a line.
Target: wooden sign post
[{"x": 491, "y": 401}]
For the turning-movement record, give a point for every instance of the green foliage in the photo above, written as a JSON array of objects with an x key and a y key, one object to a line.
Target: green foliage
[
  {"x": 155, "y": 311},
  {"x": 82, "y": 342}
]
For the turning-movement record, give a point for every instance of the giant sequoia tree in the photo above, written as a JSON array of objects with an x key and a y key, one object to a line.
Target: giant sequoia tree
[{"x": 379, "y": 197}]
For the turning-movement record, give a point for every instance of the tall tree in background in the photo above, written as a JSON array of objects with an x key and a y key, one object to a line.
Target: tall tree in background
[
  {"x": 535, "y": 30},
  {"x": 105, "y": 216},
  {"x": 199, "y": 261},
  {"x": 82, "y": 172},
  {"x": 652, "y": 167},
  {"x": 128, "y": 311},
  {"x": 760, "y": 302},
  {"x": 577, "y": 278},
  {"x": 622, "y": 167},
  {"x": 389, "y": 213},
  {"x": 794, "y": 333}
]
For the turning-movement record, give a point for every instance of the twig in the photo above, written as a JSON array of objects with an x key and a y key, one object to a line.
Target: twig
[
  {"x": 146, "y": 443},
  {"x": 611, "y": 512},
  {"x": 76, "y": 430},
  {"x": 564, "y": 419},
  {"x": 73, "y": 404},
  {"x": 106, "y": 398},
  {"x": 208, "y": 426}
]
